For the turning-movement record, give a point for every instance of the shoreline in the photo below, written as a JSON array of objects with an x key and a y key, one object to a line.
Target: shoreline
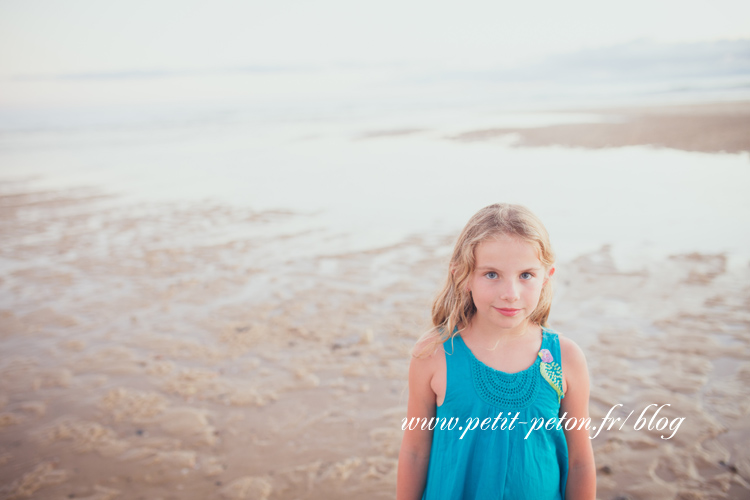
[{"x": 707, "y": 128}]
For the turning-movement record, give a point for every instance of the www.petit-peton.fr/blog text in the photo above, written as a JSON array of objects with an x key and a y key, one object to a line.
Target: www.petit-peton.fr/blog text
[{"x": 647, "y": 419}]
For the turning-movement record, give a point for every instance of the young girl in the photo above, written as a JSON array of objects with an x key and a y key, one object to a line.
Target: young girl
[{"x": 491, "y": 363}]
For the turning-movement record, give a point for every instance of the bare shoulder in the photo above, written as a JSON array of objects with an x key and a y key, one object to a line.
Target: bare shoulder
[
  {"x": 427, "y": 371},
  {"x": 427, "y": 356},
  {"x": 570, "y": 351}
]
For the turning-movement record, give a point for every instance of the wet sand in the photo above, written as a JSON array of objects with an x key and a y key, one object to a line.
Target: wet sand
[
  {"x": 709, "y": 128},
  {"x": 141, "y": 361},
  {"x": 186, "y": 350}
]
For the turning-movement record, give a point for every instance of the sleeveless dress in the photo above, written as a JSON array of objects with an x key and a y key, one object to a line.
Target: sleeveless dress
[{"x": 500, "y": 463}]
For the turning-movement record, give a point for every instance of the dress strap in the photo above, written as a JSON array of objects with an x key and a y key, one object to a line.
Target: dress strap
[{"x": 551, "y": 365}]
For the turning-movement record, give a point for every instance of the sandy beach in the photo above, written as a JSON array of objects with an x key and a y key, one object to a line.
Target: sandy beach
[
  {"x": 171, "y": 350},
  {"x": 708, "y": 128}
]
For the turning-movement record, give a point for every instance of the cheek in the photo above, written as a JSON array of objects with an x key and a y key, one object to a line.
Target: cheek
[
  {"x": 534, "y": 291},
  {"x": 480, "y": 292}
]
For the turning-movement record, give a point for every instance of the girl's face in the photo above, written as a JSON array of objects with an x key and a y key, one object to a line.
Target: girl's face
[{"x": 506, "y": 283}]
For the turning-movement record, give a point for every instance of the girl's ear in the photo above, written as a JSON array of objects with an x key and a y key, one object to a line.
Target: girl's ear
[{"x": 550, "y": 272}]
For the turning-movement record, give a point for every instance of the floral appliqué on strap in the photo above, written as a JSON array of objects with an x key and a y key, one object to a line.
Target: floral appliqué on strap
[{"x": 551, "y": 372}]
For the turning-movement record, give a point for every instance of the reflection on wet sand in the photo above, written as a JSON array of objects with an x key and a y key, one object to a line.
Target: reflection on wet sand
[{"x": 146, "y": 354}]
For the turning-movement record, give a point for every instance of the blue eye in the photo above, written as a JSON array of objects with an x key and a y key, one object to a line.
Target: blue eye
[
  {"x": 491, "y": 275},
  {"x": 526, "y": 276}
]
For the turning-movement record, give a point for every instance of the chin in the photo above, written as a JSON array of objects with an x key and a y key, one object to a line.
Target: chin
[{"x": 508, "y": 325}]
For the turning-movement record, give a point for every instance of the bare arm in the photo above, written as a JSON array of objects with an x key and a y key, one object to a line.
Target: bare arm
[
  {"x": 414, "y": 456},
  {"x": 581, "y": 483}
]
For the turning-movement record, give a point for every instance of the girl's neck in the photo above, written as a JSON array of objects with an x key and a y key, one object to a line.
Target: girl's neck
[{"x": 490, "y": 334}]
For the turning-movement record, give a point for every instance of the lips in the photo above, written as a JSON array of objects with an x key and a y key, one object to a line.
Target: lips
[{"x": 507, "y": 312}]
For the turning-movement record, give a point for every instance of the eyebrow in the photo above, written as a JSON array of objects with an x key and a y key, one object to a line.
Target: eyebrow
[{"x": 482, "y": 268}]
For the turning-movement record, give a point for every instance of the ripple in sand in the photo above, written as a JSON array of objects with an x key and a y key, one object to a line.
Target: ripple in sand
[{"x": 27, "y": 485}]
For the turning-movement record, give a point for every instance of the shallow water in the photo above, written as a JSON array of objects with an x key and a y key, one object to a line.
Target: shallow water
[{"x": 365, "y": 191}]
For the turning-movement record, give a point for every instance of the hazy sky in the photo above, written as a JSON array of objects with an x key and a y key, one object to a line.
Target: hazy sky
[{"x": 45, "y": 37}]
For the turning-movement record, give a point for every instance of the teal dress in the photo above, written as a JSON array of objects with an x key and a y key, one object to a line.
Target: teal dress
[{"x": 503, "y": 463}]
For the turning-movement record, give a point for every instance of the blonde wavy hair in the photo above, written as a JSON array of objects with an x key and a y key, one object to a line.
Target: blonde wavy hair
[{"x": 453, "y": 305}]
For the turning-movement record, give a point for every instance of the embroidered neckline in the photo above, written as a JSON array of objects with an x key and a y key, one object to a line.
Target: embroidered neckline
[
  {"x": 545, "y": 334},
  {"x": 518, "y": 390},
  {"x": 512, "y": 391}
]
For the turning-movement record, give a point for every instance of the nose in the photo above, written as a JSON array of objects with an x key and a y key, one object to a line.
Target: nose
[{"x": 509, "y": 291}]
